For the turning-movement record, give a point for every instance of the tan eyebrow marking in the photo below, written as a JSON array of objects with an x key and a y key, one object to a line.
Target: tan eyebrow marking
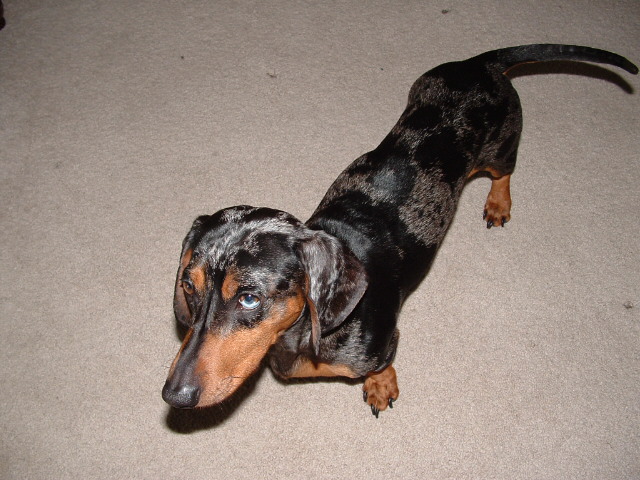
[
  {"x": 230, "y": 285},
  {"x": 198, "y": 278}
]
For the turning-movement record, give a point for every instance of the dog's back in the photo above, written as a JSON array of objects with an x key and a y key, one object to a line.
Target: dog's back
[{"x": 462, "y": 118}]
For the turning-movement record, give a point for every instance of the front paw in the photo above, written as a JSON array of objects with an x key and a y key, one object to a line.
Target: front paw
[{"x": 380, "y": 390}]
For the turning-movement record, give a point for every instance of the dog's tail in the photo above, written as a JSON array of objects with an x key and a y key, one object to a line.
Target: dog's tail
[{"x": 506, "y": 58}]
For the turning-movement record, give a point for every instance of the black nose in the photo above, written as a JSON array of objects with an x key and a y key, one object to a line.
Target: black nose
[{"x": 181, "y": 396}]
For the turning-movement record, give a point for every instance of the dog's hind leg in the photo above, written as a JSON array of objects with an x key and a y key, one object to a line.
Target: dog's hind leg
[{"x": 497, "y": 209}]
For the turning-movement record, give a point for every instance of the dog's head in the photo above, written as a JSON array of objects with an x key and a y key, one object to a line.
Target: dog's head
[{"x": 245, "y": 277}]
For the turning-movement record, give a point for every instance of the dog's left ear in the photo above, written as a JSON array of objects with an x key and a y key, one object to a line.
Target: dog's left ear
[
  {"x": 180, "y": 305},
  {"x": 336, "y": 281}
]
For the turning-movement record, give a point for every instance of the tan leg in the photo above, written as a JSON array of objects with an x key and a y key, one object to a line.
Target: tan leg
[
  {"x": 380, "y": 389},
  {"x": 497, "y": 210}
]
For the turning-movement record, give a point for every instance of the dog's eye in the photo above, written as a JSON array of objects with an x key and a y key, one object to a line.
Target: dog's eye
[
  {"x": 187, "y": 286},
  {"x": 248, "y": 301}
]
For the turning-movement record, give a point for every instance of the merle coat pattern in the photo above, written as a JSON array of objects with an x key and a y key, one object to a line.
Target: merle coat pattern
[{"x": 321, "y": 298}]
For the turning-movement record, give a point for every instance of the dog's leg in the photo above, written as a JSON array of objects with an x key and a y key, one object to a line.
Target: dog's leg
[
  {"x": 380, "y": 389},
  {"x": 497, "y": 210}
]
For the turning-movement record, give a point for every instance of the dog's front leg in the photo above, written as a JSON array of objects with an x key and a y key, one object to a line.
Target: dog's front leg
[{"x": 380, "y": 389}]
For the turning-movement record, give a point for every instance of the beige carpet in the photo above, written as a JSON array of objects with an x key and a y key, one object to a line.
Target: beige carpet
[{"x": 122, "y": 121}]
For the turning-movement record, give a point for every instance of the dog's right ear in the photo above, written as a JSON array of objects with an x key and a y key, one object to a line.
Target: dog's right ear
[{"x": 180, "y": 304}]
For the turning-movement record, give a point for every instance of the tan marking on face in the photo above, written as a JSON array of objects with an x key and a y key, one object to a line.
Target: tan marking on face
[
  {"x": 225, "y": 362},
  {"x": 182, "y": 347},
  {"x": 198, "y": 277},
  {"x": 230, "y": 285},
  {"x": 308, "y": 369}
]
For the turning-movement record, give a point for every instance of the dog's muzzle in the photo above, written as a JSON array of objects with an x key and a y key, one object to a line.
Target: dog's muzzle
[{"x": 180, "y": 396}]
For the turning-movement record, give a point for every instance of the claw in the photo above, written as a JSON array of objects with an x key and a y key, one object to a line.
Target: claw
[
  {"x": 391, "y": 400},
  {"x": 484, "y": 214},
  {"x": 375, "y": 410},
  {"x": 490, "y": 224},
  {"x": 365, "y": 395}
]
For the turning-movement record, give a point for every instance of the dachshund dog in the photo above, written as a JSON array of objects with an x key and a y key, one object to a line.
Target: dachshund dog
[{"x": 321, "y": 298}]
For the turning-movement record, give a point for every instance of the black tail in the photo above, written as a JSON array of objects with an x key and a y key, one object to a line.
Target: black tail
[{"x": 506, "y": 58}]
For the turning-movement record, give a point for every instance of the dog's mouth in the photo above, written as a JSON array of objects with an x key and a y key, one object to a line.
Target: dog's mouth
[{"x": 214, "y": 394}]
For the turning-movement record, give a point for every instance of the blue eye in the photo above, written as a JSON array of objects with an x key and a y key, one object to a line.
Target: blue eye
[{"x": 248, "y": 301}]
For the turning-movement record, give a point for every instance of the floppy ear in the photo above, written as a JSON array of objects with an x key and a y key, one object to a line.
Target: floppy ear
[
  {"x": 336, "y": 281},
  {"x": 180, "y": 305}
]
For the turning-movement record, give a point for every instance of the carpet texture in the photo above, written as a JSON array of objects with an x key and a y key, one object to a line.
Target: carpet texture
[{"x": 121, "y": 121}]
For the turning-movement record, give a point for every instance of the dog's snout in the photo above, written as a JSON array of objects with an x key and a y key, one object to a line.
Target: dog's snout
[{"x": 181, "y": 396}]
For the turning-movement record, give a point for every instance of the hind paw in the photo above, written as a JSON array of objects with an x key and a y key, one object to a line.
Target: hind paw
[
  {"x": 495, "y": 216},
  {"x": 497, "y": 209}
]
